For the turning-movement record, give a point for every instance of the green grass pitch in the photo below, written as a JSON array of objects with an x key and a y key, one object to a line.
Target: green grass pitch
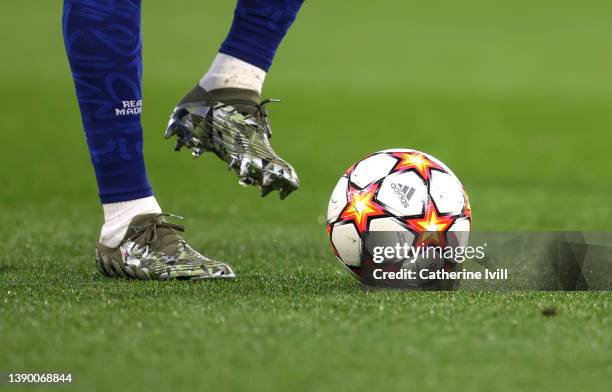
[{"x": 515, "y": 97}]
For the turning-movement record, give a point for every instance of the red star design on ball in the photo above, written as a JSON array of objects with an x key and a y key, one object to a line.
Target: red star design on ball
[
  {"x": 431, "y": 227},
  {"x": 417, "y": 161},
  {"x": 361, "y": 206}
]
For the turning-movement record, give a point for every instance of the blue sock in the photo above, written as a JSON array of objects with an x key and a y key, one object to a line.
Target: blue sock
[
  {"x": 258, "y": 28},
  {"x": 103, "y": 43}
]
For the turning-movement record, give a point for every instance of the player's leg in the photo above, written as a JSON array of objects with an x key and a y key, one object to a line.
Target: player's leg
[
  {"x": 103, "y": 43},
  {"x": 224, "y": 112}
]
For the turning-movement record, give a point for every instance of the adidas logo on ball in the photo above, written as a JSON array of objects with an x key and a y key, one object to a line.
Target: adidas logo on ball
[{"x": 404, "y": 192}]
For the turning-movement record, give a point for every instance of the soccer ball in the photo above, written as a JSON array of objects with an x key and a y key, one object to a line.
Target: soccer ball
[{"x": 407, "y": 193}]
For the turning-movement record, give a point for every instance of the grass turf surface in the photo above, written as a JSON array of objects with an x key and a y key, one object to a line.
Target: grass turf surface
[{"x": 515, "y": 98}]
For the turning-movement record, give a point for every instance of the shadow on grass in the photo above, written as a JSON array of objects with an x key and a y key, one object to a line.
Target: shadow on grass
[{"x": 248, "y": 284}]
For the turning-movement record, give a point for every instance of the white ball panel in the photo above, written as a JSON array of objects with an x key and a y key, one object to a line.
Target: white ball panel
[
  {"x": 372, "y": 169},
  {"x": 386, "y": 224},
  {"x": 388, "y": 233},
  {"x": 338, "y": 200},
  {"x": 404, "y": 194},
  {"x": 458, "y": 234},
  {"x": 462, "y": 224},
  {"x": 398, "y": 234},
  {"x": 347, "y": 242},
  {"x": 447, "y": 192}
]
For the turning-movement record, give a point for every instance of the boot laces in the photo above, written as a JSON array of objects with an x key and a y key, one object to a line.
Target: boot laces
[{"x": 158, "y": 233}]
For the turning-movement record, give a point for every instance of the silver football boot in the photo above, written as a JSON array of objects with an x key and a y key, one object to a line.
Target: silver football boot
[
  {"x": 233, "y": 123},
  {"x": 153, "y": 249}
]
